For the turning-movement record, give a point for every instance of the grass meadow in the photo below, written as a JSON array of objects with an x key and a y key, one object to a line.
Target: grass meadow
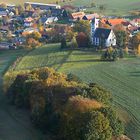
[{"x": 122, "y": 78}]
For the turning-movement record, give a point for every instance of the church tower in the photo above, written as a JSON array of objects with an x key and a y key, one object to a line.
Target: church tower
[{"x": 94, "y": 25}]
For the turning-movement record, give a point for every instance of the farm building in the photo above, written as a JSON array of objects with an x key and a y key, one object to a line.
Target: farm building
[{"x": 42, "y": 6}]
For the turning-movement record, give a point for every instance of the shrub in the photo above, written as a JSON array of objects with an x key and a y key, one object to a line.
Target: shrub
[
  {"x": 91, "y": 125},
  {"x": 115, "y": 123},
  {"x": 32, "y": 43},
  {"x": 72, "y": 77}
]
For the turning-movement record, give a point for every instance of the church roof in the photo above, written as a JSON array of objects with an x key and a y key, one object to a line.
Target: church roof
[{"x": 102, "y": 33}]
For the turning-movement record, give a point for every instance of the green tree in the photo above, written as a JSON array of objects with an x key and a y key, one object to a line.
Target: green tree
[
  {"x": 102, "y": 8},
  {"x": 121, "y": 38},
  {"x": 82, "y": 26},
  {"x": 63, "y": 43},
  {"x": 115, "y": 123},
  {"x": 91, "y": 125}
]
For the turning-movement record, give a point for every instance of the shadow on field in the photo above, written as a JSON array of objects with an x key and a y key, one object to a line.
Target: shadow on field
[
  {"x": 64, "y": 60},
  {"x": 135, "y": 74},
  {"x": 90, "y": 60},
  {"x": 131, "y": 129}
]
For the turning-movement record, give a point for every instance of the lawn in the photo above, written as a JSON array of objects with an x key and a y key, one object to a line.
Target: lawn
[
  {"x": 113, "y": 7},
  {"x": 122, "y": 78},
  {"x": 14, "y": 123}
]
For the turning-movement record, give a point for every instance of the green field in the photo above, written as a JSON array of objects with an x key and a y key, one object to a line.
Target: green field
[
  {"x": 122, "y": 78},
  {"x": 113, "y": 7},
  {"x": 14, "y": 123}
]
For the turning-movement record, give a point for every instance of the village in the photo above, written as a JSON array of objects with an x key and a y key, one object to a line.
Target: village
[{"x": 53, "y": 22}]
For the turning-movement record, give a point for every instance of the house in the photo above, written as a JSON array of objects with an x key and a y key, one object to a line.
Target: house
[
  {"x": 77, "y": 15},
  {"x": 113, "y": 22},
  {"x": 4, "y": 45},
  {"x": 56, "y": 12},
  {"x": 102, "y": 36},
  {"x": 42, "y": 6},
  {"x": 135, "y": 22},
  {"x": 28, "y": 22},
  {"x": 50, "y": 20},
  {"x": 90, "y": 16},
  {"x": 3, "y": 12},
  {"x": 28, "y": 31}
]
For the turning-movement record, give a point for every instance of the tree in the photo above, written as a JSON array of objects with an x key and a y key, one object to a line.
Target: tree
[
  {"x": 5, "y": 20},
  {"x": 63, "y": 43},
  {"x": 82, "y": 26},
  {"x": 136, "y": 42},
  {"x": 115, "y": 123},
  {"x": 1, "y": 23},
  {"x": 121, "y": 38},
  {"x": 102, "y": 8},
  {"x": 35, "y": 35},
  {"x": 82, "y": 39},
  {"x": 91, "y": 125},
  {"x": 93, "y": 5},
  {"x": 69, "y": 35},
  {"x": 32, "y": 43},
  {"x": 20, "y": 9},
  {"x": 29, "y": 7},
  {"x": 3, "y": 5},
  {"x": 119, "y": 27},
  {"x": 74, "y": 43}
]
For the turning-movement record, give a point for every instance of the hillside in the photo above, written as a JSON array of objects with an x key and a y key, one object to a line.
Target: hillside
[
  {"x": 121, "y": 77},
  {"x": 112, "y": 7}
]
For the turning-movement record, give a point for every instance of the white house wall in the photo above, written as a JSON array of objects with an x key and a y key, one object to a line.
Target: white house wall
[{"x": 111, "y": 41}]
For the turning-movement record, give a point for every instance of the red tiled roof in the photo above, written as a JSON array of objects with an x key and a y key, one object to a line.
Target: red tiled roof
[
  {"x": 77, "y": 15},
  {"x": 114, "y": 21},
  {"x": 91, "y": 16}
]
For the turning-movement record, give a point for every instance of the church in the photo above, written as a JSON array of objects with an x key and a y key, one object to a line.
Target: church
[{"x": 101, "y": 36}]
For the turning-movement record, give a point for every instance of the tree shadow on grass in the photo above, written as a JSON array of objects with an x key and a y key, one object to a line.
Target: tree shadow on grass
[
  {"x": 132, "y": 131},
  {"x": 135, "y": 74}
]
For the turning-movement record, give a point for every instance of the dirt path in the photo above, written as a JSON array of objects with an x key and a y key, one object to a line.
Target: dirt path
[{"x": 14, "y": 123}]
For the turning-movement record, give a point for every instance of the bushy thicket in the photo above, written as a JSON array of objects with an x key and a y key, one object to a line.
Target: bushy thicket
[
  {"x": 112, "y": 54},
  {"x": 65, "y": 106}
]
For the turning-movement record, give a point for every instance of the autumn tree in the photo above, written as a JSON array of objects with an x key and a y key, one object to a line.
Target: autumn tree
[
  {"x": 82, "y": 39},
  {"x": 36, "y": 35},
  {"x": 3, "y": 5},
  {"x": 136, "y": 42},
  {"x": 20, "y": 9},
  {"x": 91, "y": 125},
  {"x": 82, "y": 26},
  {"x": 29, "y": 7},
  {"x": 74, "y": 43}
]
